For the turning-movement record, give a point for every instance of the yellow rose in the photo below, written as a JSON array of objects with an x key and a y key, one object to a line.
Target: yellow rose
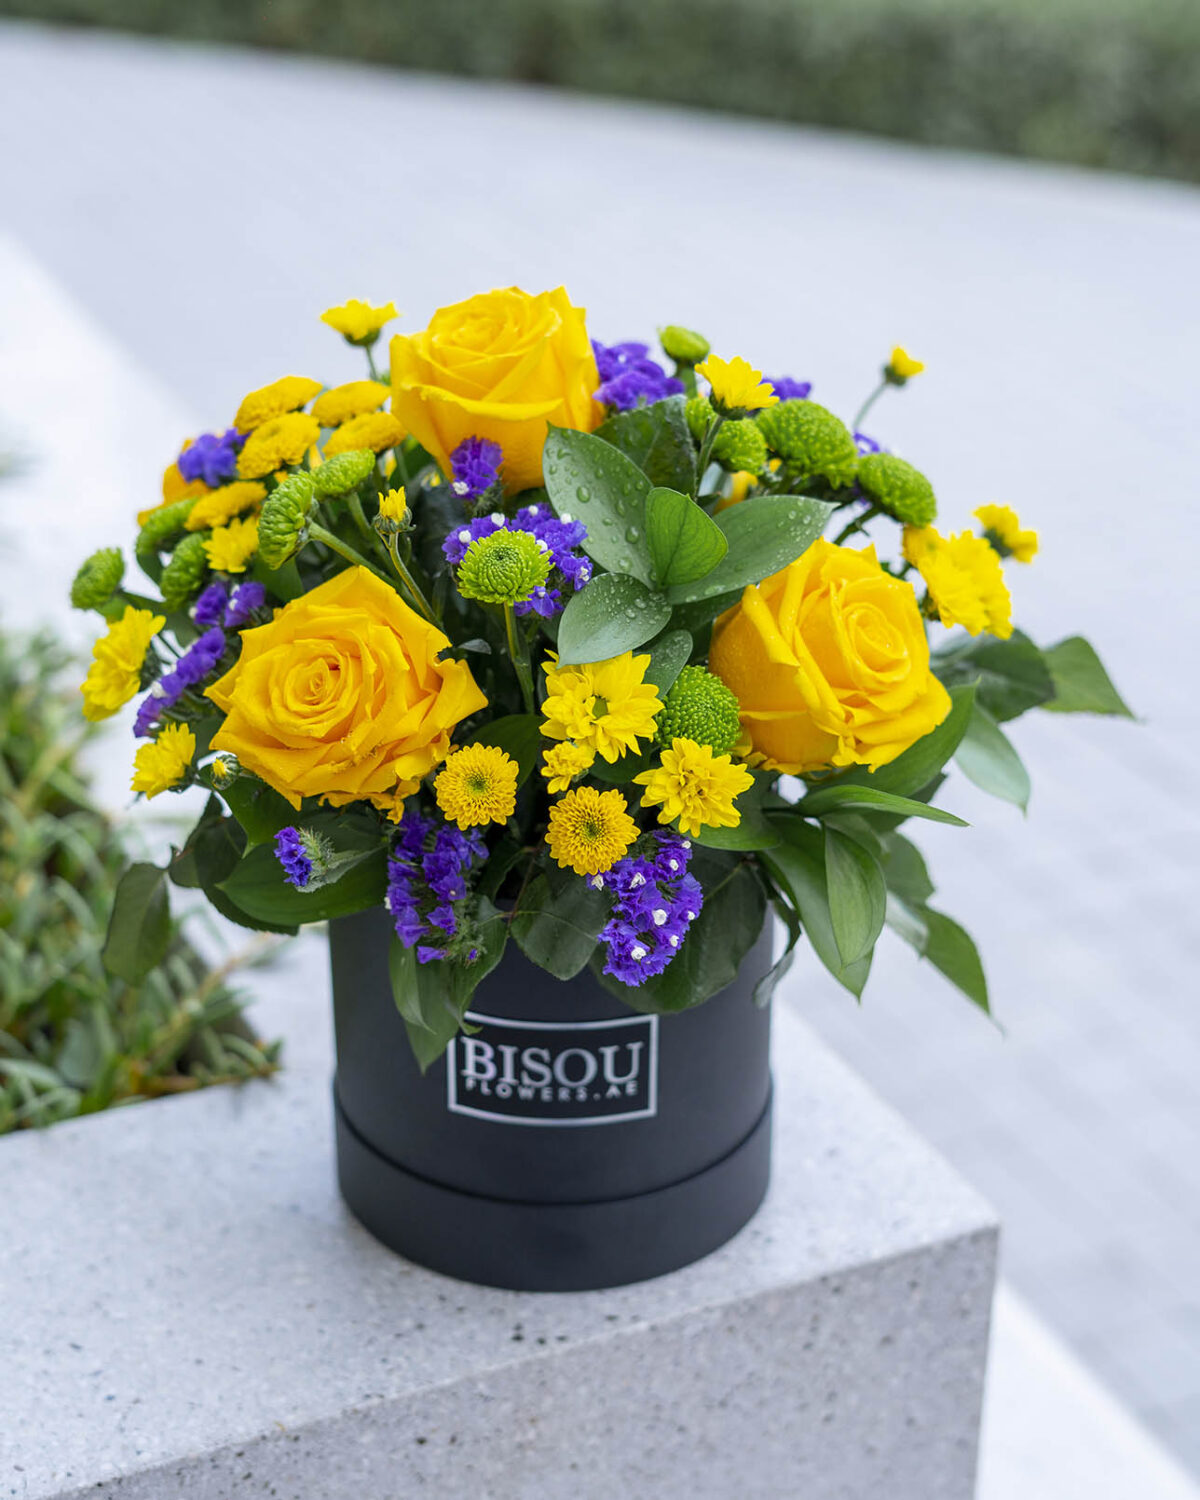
[
  {"x": 342, "y": 695},
  {"x": 500, "y": 366},
  {"x": 830, "y": 663}
]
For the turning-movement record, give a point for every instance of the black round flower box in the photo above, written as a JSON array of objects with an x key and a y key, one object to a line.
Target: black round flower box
[{"x": 569, "y": 1143}]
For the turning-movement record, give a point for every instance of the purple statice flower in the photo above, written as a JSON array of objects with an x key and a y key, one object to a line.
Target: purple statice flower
[
  {"x": 210, "y": 606},
  {"x": 291, "y": 854},
  {"x": 211, "y": 458},
  {"x": 788, "y": 389},
  {"x": 629, "y": 377},
  {"x": 427, "y": 877},
  {"x": 655, "y": 901},
  {"x": 866, "y": 444},
  {"x": 247, "y": 598},
  {"x": 560, "y": 536},
  {"x": 475, "y": 467},
  {"x": 192, "y": 668}
]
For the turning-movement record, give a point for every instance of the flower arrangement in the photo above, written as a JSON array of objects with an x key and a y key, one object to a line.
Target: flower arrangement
[{"x": 534, "y": 639}]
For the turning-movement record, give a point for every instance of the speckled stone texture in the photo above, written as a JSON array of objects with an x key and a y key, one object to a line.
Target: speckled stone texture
[{"x": 190, "y": 1312}]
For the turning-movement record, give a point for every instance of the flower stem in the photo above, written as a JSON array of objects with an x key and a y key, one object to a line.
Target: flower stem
[
  {"x": 856, "y": 525},
  {"x": 520, "y": 657},
  {"x": 409, "y": 582},
  {"x": 706, "y": 448},
  {"x": 318, "y": 533},
  {"x": 869, "y": 403}
]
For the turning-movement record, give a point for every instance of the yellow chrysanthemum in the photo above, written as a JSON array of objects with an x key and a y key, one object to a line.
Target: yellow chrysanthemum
[
  {"x": 693, "y": 786},
  {"x": 221, "y": 505},
  {"x": 903, "y": 364},
  {"x": 278, "y": 443},
  {"x": 606, "y": 705},
  {"x": 736, "y": 384},
  {"x": 562, "y": 763},
  {"x": 393, "y": 506},
  {"x": 478, "y": 784},
  {"x": 116, "y": 670},
  {"x": 1002, "y": 525},
  {"x": 275, "y": 400},
  {"x": 589, "y": 830},
  {"x": 354, "y": 399},
  {"x": 377, "y": 430},
  {"x": 160, "y": 765},
  {"x": 231, "y": 547},
  {"x": 359, "y": 322},
  {"x": 964, "y": 578}
]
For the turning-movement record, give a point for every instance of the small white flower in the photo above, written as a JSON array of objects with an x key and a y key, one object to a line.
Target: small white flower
[
  {"x": 597, "y": 882},
  {"x": 465, "y": 536},
  {"x": 687, "y": 843},
  {"x": 673, "y": 940},
  {"x": 533, "y": 510},
  {"x": 460, "y": 487},
  {"x": 691, "y": 916},
  {"x": 566, "y": 516},
  {"x": 637, "y": 954},
  {"x": 499, "y": 517},
  {"x": 660, "y": 917},
  {"x": 672, "y": 864},
  {"x": 541, "y": 545},
  {"x": 637, "y": 880}
]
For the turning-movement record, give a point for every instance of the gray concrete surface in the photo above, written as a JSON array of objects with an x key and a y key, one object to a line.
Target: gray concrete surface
[
  {"x": 190, "y": 1310},
  {"x": 206, "y": 207}
]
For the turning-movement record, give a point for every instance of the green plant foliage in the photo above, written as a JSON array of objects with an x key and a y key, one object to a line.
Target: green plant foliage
[
  {"x": 613, "y": 614},
  {"x": 762, "y": 536},
  {"x": 76, "y": 1037},
  {"x": 797, "y": 865},
  {"x": 1081, "y": 685},
  {"x": 986, "y": 756},
  {"x": 656, "y": 438},
  {"x": 558, "y": 924},
  {"x": 593, "y": 481},
  {"x": 433, "y": 998},
  {"x": 685, "y": 542},
  {"x": 518, "y": 735},
  {"x": 1010, "y": 676}
]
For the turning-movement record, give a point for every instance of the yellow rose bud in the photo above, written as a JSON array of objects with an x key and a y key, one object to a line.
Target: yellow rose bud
[
  {"x": 501, "y": 366},
  {"x": 830, "y": 663},
  {"x": 342, "y": 696}
]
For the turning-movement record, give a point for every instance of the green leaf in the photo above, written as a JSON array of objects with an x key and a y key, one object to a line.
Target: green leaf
[
  {"x": 1081, "y": 685},
  {"x": 260, "y": 809},
  {"x": 797, "y": 866},
  {"x": 257, "y": 886},
  {"x": 613, "y": 614},
  {"x": 697, "y": 617},
  {"x": 213, "y": 848},
  {"x": 952, "y": 950},
  {"x": 905, "y": 871},
  {"x": 1011, "y": 676},
  {"x": 728, "y": 926},
  {"x": 230, "y": 910},
  {"x": 594, "y": 482},
  {"x": 839, "y": 797},
  {"x": 857, "y": 896},
  {"x": 764, "y": 990},
  {"x": 915, "y": 769},
  {"x": 685, "y": 542},
  {"x": 763, "y": 536},
  {"x": 668, "y": 656},
  {"x": 139, "y": 927},
  {"x": 518, "y": 735},
  {"x": 986, "y": 757},
  {"x": 432, "y": 998},
  {"x": 657, "y": 439},
  {"x": 558, "y": 929},
  {"x": 907, "y": 921},
  {"x": 755, "y": 831}
]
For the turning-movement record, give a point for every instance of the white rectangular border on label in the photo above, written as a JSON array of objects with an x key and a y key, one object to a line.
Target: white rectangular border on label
[{"x": 650, "y": 1022}]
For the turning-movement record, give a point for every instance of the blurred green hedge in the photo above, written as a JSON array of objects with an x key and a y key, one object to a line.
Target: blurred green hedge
[{"x": 1113, "y": 83}]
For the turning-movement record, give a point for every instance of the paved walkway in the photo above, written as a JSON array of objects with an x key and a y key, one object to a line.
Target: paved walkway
[{"x": 205, "y": 207}]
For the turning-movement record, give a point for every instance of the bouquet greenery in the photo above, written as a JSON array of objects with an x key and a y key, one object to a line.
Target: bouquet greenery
[{"x": 530, "y": 639}]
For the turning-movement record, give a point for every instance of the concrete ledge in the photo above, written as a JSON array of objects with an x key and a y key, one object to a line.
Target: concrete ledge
[{"x": 190, "y": 1311}]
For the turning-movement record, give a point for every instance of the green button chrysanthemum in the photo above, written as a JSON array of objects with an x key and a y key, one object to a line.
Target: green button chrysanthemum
[
  {"x": 184, "y": 572},
  {"x": 700, "y": 707},
  {"x": 811, "y": 439},
  {"x": 98, "y": 579},
  {"x": 161, "y": 525},
  {"x": 740, "y": 446},
  {"x": 343, "y": 472},
  {"x": 503, "y": 568},
  {"x": 898, "y": 488},
  {"x": 283, "y": 518},
  {"x": 699, "y": 413}
]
